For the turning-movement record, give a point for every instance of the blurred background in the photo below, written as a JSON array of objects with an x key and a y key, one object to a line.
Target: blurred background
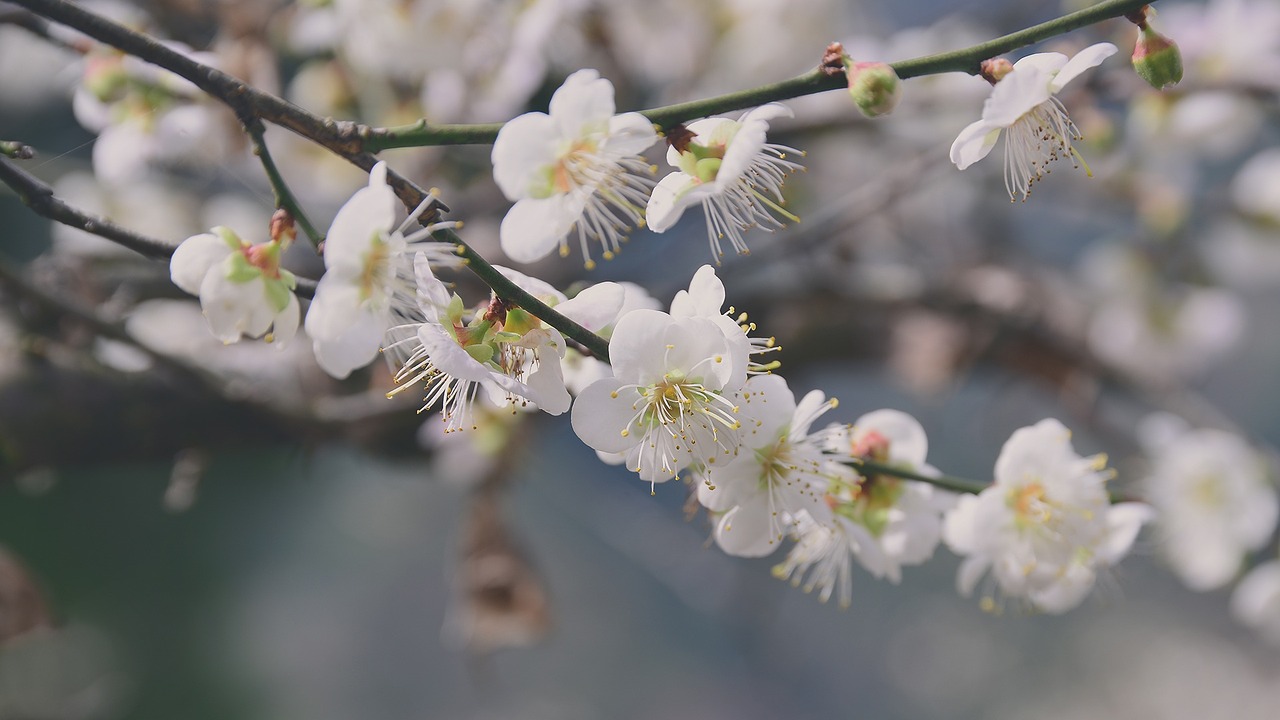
[{"x": 205, "y": 531}]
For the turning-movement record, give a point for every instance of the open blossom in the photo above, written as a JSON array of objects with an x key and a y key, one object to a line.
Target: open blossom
[
  {"x": 883, "y": 522},
  {"x": 705, "y": 299},
  {"x": 368, "y": 285},
  {"x": 581, "y": 370},
  {"x": 1023, "y": 104},
  {"x": 1215, "y": 504},
  {"x": 728, "y": 167},
  {"x": 577, "y": 168},
  {"x": 242, "y": 288},
  {"x": 498, "y": 348},
  {"x": 670, "y": 404},
  {"x": 1046, "y": 526},
  {"x": 780, "y": 472}
]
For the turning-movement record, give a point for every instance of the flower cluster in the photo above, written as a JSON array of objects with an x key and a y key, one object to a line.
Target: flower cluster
[{"x": 690, "y": 392}]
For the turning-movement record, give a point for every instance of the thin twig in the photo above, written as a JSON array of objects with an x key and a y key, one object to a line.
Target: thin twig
[
  {"x": 284, "y": 196},
  {"x": 40, "y": 198},
  {"x": 967, "y": 60}
]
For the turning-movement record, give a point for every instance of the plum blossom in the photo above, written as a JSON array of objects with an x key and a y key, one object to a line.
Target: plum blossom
[
  {"x": 883, "y": 521},
  {"x": 499, "y": 348},
  {"x": 242, "y": 288},
  {"x": 1023, "y": 102},
  {"x": 581, "y": 370},
  {"x": 671, "y": 402},
  {"x": 146, "y": 116},
  {"x": 1046, "y": 526},
  {"x": 368, "y": 286},
  {"x": 728, "y": 167},
  {"x": 578, "y": 167},
  {"x": 761, "y": 492},
  {"x": 705, "y": 298},
  {"x": 1215, "y": 504}
]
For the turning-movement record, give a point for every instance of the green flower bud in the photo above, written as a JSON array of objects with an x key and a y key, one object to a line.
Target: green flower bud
[
  {"x": 874, "y": 86},
  {"x": 1157, "y": 59}
]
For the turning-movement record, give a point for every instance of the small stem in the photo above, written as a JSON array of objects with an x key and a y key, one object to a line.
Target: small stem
[
  {"x": 284, "y": 196},
  {"x": 955, "y": 484},
  {"x": 967, "y": 60},
  {"x": 947, "y": 482}
]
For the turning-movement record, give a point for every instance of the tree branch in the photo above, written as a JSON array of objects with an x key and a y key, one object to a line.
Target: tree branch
[
  {"x": 40, "y": 198},
  {"x": 967, "y": 60},
  {"x": 345, "y": 139}
]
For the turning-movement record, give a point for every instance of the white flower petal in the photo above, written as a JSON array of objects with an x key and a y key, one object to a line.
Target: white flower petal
[
  {"x": 973, "y": 143},
  {"x": 595, "y": 307},
  {"x": 667, "y": 203},
  {"x": 1087, "y": 58},
  {"x": 602, "y": 412},
  {"x": 533, "y": 227},
  {"x": 583, "y": 104},
  {"x": 193, "y": 259},
  {"x": 524, "y": 149},
  {"x": 745, "y": 531}
]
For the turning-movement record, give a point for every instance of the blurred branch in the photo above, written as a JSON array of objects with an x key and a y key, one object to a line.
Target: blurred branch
[
  {"x": 815, "y": 81},
  {"x": 40, "y": 198},
  {"x": 345, "y": 139}
]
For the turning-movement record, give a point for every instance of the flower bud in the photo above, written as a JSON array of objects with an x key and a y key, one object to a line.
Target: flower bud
[
  {"x": 1157, "y": 59},
  {"x": 874, "y": 86}
]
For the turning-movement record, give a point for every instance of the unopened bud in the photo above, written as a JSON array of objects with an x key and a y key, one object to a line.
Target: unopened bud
[
  {"x": 994, "y": 70},
  {"x": 283, "y": 229},
  {"x": 1157, "y": 59},
  {"x": 874, "y": 86}
]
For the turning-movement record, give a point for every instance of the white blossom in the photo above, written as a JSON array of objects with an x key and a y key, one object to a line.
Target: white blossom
[
  {"x": 729, "y": 168},
  {"x": 1215, "y": 504},
  {"x": 1023, "y": 103},
  {"x": 242, "y": 288},
  {"x": 577, "y": 168},
  {"x": 368, "y": 285},
  {"x": 1046, "y": 526},
  {"x": 780, "y": 472},
  {"x": 670, "y": 403},
  {"x": 498, "y": 348}
]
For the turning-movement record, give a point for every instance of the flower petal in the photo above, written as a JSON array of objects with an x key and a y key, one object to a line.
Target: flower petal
[
  {"x": 973, "y": 143},
  {"x": 192, "y": 260},
  {"x": 745, "y": 531},
  {"x": 533, "y": 227},
  {"x": 667, "y": 203},
  {"x": 602, "y": 412},
  {"x": 1089, "y": 57},
  {"x": 524, "y": 148},
  {"x": 582, "y": 105}
]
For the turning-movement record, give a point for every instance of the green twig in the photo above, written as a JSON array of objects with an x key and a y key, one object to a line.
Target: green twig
[
  {"x": 946, "y": 482},
  {"x": 967, "y": 60},
  {"x": 285, "y": 198}
]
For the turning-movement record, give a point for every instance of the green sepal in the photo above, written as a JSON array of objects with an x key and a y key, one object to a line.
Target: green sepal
[
  {"x": 240, "y": 270},
  {"x": 277, "y": 294},
  {"x": 707, "y": 168},
  {"x": 480, "y": 353},
  {"x": 229, "y": 237}
]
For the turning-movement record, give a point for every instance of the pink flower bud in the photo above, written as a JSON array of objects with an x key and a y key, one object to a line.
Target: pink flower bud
[{"x": 1157, "y": 59}]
